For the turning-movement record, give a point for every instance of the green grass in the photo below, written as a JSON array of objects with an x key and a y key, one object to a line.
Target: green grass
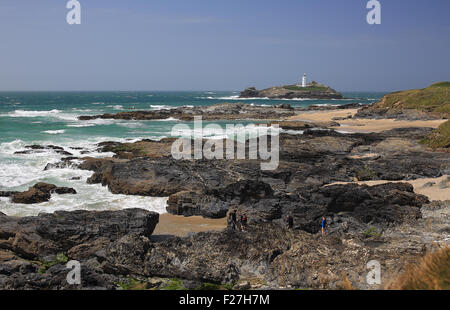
[
  {"x": 441, "y": 84},
  {"x": 174, "y": 285},
  {"x": 177, "y": 285},
  {"x": 371, "y": 232},
  {"x": 433, "y": 99},
  {"x": 215, "y": 287},
  {"x": 132, "y": 285},
  {"x": 439, "y": 138},
  {"x": 309, "y": 88},
  {"x": 61, "y": 258}
]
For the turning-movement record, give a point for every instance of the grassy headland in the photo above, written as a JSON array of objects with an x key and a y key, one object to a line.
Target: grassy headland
[
  {"x": 434, "y": 99},
  {"x": 439, "y": 138}
]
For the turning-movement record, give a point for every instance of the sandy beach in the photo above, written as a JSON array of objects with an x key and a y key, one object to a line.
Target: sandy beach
[
  {"x": 361, "y": 125},
  {"x": 430, "y": 187},
  {"x": 180, "y": 226}
]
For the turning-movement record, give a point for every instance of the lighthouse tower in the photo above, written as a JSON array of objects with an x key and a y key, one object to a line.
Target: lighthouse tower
[{"x": 304, "y": 80}]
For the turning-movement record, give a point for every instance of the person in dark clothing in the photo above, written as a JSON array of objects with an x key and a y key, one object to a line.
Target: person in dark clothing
[
  {"x": 289, "y": 221},
  {"x": 243, "y": 222},
  {"x": 232, "y": 219},
  {"x": 324, "y": 226}
]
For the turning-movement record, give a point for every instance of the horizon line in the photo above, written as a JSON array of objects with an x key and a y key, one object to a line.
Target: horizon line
[{"x": 163, "y": 90}]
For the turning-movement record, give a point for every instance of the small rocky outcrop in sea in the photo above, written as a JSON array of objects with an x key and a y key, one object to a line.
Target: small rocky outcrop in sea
[
  {"x": 35, "y": 148},
  {"x": 40, "y": 192}
]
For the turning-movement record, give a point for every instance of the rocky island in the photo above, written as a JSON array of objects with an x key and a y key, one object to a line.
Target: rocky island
[{"x": 312, "y": 90}]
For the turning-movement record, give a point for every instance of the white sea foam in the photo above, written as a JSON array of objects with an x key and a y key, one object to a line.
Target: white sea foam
[
  {"x": 99, "y": 121},
  {"x": 82, "y": 110},
  {"x": 260, "y": 105},
  {"x": 216, "y": 133},
  {"x": 292, "y": 132},
  {"x": 326, "y": 105},
  {"x": 52, "y": 114},
  {"x": 160, "y": 107},
  {"x": 23, "y": 113},
  {"x": 170, "y": 119},
  {"x": 116, "y": 107},
  {"x": 22, "y": 171},
  {"x": 134, "y": 124},
  {"x": 54, "y": 132},
  {"x": 80, "y": 125}
]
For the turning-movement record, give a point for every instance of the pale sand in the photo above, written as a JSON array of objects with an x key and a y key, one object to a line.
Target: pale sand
[
  {"x": 362, "y": 125},
  {"x": 432, "y": 192},
  {"x": 180, "y": 226}
]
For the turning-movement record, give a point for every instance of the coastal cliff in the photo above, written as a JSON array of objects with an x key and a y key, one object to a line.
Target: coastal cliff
[{"x": 432, "y": 102}]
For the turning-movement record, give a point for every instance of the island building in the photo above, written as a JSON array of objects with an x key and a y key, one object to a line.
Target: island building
[{"x": 303, "y": 84}]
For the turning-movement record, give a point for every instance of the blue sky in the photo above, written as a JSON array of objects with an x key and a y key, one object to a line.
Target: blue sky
[{"x": 222, "y": 45}]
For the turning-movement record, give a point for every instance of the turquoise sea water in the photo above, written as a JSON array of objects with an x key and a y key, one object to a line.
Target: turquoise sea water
[{"x": 51, "y": 118}]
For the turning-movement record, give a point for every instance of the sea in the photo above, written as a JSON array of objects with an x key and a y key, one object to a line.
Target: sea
[{"x": 51, "y": 118}]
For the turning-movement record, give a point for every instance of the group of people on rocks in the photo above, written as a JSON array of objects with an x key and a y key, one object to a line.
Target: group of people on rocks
[
  {"x": 233, "y": 222},
  {"x": 289, "y": 221}
]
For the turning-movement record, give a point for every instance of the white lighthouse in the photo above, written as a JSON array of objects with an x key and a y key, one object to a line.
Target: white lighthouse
[{"x": 304, "y": 80}]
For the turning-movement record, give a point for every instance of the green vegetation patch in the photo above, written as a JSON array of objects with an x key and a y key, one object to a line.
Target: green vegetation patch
[
  {"x": 439, "y": 138},
  {"x": 441, "y": 84},
  {"x": 61, "y": 258},
  {"x": 308, "y": 88},
  {"x": 371, "y": 232},
  {"x": 215, "y": 287},
  {"x": 174, "y": 285},
  {"x": 433, "y": 99},
  {"x": 132, "y": 284}
]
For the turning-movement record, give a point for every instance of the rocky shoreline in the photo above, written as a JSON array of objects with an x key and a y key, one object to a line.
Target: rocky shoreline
[
  {"x": 222, "y": 111},
  {"x": 117, "y": 249}
]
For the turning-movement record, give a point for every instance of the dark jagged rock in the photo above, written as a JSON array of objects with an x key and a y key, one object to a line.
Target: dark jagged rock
[
  {"x": 32, "y": 195},
  {"x": 65, "y": 190},
  {"x": 34, "y": 250},
  {"x": 32, "y": 149},
  {"x": 7, "y": 193},
  {"x": 40, "y": 192},
  {"x": 39, "y": 236},
  {"x": 44, "y": 187},
  {"x": 222, "y": 111},
  {"x": 382, "y": 204}
]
